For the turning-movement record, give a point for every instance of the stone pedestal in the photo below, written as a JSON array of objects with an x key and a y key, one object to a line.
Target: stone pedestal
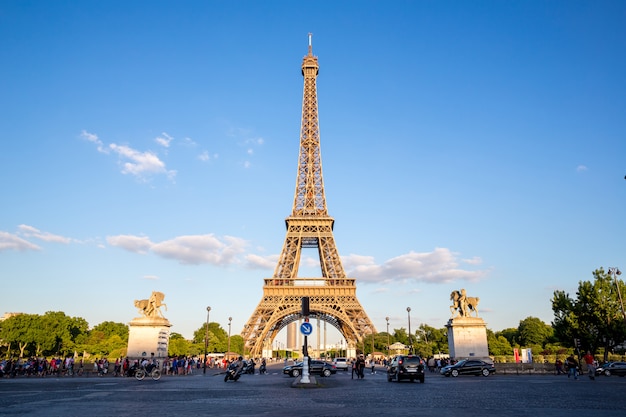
[
  {"x": 467, "y": 338},
  {"x": 148, "y": 337}
]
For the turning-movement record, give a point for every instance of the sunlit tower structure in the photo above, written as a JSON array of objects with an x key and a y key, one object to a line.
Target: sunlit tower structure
[{"x": 333, "y": 295}]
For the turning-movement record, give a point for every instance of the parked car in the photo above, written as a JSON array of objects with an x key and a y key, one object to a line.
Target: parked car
[
  {"x": 341, "y": 363},
  {"x": 315, "y": 368},
  {"x": 469, "y": 367},
  {"x": 409, "y": 367},
  {"x": 612, "y": 368}
]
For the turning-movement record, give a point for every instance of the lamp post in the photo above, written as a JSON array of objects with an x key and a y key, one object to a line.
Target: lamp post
[
  {"x": 408, "y": 311},
  {"x": 387, "y": 318},
  {"x": 206, "y": 338},
  {"x": 613, "y": 271},
  {"x": 230, "y": 319}
]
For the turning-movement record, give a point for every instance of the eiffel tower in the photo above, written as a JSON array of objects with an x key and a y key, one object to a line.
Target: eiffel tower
[{"x": 332, "y": 297}]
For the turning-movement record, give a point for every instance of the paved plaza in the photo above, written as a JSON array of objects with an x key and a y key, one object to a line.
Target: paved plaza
[{"x": 338, "y": 395}]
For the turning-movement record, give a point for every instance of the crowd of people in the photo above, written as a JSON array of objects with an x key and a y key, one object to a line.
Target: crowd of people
[
  {"x": 41, "y": 367},
  {"x": 69, "y": 366}
]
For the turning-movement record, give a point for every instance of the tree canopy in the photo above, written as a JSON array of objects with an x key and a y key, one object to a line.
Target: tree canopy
[{"x": 594, "y": 317}]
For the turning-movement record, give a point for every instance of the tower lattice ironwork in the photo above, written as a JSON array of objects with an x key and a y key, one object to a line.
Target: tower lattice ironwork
[{"x": 333, "y": 295}]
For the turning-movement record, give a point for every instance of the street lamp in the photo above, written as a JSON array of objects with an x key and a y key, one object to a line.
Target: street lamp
[
  {"x": 229, "y": 320},
  {"x": 387, "y": 318},
  {"x": 408, "y": 311},
  {"x": 614, "y": 272},
  {"x": 206, "y": 338}
]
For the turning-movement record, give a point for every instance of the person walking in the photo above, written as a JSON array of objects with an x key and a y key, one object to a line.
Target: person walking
[
  {"x": 591, "y": 368},
  {"x": 353, "y": 363},
  {"x": 360, "y": 367},
  {"x": 572, "y": 366}
]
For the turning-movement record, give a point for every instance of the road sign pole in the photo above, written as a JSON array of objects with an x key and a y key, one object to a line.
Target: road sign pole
[{"x": 305, "y": 328}]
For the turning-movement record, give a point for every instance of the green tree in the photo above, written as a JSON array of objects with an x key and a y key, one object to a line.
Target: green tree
[
  {"x": 236, "y": 343},
  {"x": 498, "y": 344},
  {"x": 400, "y": 335},
  {"x": 178, "y": 346},
  {"x": 218, "y": 338},
  {"x": 533, "y": 331},
  {"x": 59, "y": 332},
  {"x": 51, "y": 334},
  {"x": 19, "y": 330},
  {"x": 511, "y": 335},
  {"x": 436, "y": 338},
  {"x": 594, "y": 317},
  {"x": 110, "y": 328},
  {"x": 428, "y": 340}
]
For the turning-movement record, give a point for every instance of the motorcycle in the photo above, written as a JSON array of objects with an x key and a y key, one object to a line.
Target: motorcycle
[
  {"x": 262, "y": 368},
  {"x": 249, "y": 367},
  {"x": 232, "y": 373}
]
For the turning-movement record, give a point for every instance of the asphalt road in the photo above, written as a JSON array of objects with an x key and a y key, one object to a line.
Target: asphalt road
[{"x": 338, "y": 395}]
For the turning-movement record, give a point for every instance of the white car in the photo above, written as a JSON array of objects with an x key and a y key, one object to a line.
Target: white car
[{"x": 341, "y": 363}]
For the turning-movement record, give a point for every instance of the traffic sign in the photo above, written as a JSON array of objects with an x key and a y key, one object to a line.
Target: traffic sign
[{"x": 306, "y": 328}]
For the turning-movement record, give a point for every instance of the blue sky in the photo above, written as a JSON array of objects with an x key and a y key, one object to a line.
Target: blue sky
[{"x": 154, "y": 145}]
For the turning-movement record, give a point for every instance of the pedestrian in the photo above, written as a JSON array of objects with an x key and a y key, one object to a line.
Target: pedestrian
[
  {"x": 360, "y": 366},
  {"x": 353, "y": 363},
  {"x": 572, "y": 366},
  {"x": 558, "y": 366},
  {"x": 591, "y": 368}
]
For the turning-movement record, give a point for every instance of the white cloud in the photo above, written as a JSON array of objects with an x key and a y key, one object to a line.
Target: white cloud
[
  {"x": 254, "y": 141},
  {"x": 476, "y": 260},
  {"x": 131, "y": 243},
  {"x": 204, "y": 156},
  {"x": 191, "y": 250},
  {"x": 201, "y": 249},
  {"x": 164, "y": 140},
  {"x": 151, "y": 277},
  {"x": 140, "y": 164},
  {"x": 260, "y": 262},
  {"x": 93, "y": 138},
  {"x": 30, "y": 231},
  {"x": 439, "y": 266},
  {"x": 581, "y": 168},
  {"x": 189, "y": 142},
  {"x": 10, "y": 241}
]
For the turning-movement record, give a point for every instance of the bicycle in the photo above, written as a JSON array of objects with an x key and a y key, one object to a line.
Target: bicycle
[{"x": 151, "y": 370}]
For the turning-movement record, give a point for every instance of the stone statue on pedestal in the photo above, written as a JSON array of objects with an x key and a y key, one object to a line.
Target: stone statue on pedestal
[
  {"x": 467, "y": 333},
  {"x": 148, "y": 335},
  {"x": 462, "y": 305}
]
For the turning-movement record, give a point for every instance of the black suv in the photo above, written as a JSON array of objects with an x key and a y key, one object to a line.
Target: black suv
[{"x": 406, "y": 367}]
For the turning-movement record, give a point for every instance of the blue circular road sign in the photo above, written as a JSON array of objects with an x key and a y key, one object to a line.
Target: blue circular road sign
[{"x": 306, "y": 328}]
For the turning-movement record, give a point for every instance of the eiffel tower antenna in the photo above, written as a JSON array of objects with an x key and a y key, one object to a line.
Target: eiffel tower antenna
[{"x": 333, "y": 295}]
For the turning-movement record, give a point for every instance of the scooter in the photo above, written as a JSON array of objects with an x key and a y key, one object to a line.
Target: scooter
[
  {"x": 249, "y": 367},
  {"x": 232, "y": 373},
  {"x": 262, "y": 368}
]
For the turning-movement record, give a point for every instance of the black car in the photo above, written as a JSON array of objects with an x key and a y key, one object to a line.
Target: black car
[
  {"x": 409, "y": 367},
  {"x": 315, "y": 368},
  {"x": 612, "y": 368},
  {"x": 469, "y": 367}
]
